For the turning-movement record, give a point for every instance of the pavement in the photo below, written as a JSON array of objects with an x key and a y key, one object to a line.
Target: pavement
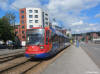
[
  {"x": 7, "y": 51},
  {"x": 73, "y": 61},
  {"x": 93, "y": 50}
]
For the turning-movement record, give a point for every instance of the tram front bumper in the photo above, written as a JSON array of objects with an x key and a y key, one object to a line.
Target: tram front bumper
[{"x": 30, "y": 55}]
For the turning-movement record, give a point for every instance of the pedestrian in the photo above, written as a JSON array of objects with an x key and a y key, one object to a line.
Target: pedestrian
[{"x": 77, "y": 43}]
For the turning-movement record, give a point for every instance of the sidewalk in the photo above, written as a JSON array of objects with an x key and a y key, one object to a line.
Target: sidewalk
[{"x": 73, "y": 61}]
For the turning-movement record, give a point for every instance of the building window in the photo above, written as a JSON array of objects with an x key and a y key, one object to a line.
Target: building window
[
  {"x": 46, "y": 18},
  {"x": 16, "y": 27},
  {"x": 31, "y": 26},
  {"x": 30, "y": 16},
  {"x": 46, "y": 23},
  {"x": 46, "y": 14},
  {"x": 23, "y": 32},
  {"x": 36, "y": 11},
  {"x": 23, "y": 27},
  {"x": 22, "y": 22},
  {"x": 22, "y": 11},
  {"x": 30, "y": 11},
  {"x": 30, "y": 21},
  {"x": 36, "y": 16},
  {"x": 22, "y": 16},
  {"x": 36, "y": 21},
  {"x": 23, "y": 36},
  {"x": 16, "y": 32}
]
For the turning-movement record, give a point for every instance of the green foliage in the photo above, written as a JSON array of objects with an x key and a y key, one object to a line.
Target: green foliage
[
  {"x": 6, "y": 30},
  {"x": 11, "y": 18}
]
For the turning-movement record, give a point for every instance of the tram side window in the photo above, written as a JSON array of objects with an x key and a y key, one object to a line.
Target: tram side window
[
  {"x": 55, "y": 38},
  {"x": 61, "y": 40},
  {"x": 47, "y": 36},
  {"x": 51, "y": 37}
]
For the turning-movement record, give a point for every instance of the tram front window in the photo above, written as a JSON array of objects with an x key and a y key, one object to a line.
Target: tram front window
[{"x": 35, "y": 37}]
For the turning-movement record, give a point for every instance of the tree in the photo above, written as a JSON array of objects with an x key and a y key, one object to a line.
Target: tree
[
  {"x": 11, "y": 18},
  {"x": 6, "y": 31}
]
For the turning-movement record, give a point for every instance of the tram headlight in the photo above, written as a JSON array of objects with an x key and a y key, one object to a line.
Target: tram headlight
[{"x": 41, "y": 47}]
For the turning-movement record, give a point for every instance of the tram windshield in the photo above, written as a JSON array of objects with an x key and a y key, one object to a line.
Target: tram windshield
[{"x": 35, "y": 37}]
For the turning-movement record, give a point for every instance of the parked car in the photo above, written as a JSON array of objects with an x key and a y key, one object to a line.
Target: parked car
[
  {"x": 2, "y": 45},
  {"x": 13, "y": 44},
  {"x": 9, "y": 44}
]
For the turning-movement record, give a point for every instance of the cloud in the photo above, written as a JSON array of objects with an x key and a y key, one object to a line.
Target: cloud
[
  {"x": 17, "y": 4},
  {"x": 85, "y": 28},
  {"x": 68, "y": 11},
  {"x": 88, "y": 29},
  {"x": 92, "y": 24},
  {"x": 77, "y": 30},
  {"x": 71, "y": 4},
  {"x": 97, "y": 15},
  {"x": 77, "y": 23},
  {"x": 25, "y": 3},
  {"x": 4, "y": 4}
]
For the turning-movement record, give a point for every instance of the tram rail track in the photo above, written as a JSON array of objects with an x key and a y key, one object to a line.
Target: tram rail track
[
  {"x": 13, "y": 63},
  {"x": 23, "y": 65},
  {"x": 14, "y": 51},
  {"x": 5, "y": 58},
  {"x": 22, "y": 68},
  {"x": 18, "y": 66},
  {"x": 10, "y": 54}
]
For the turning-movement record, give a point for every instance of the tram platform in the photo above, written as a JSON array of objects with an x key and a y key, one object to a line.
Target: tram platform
[{"x": 74, "y": 61}]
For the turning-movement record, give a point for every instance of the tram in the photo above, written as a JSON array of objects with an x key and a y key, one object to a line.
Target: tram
[{"x": 44, "y": 42}]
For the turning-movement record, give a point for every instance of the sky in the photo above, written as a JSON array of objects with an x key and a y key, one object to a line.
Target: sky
[{"x": 78, "y": 15}]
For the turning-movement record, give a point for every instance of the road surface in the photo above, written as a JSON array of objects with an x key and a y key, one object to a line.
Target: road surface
[{"x": 93, "y": 50}]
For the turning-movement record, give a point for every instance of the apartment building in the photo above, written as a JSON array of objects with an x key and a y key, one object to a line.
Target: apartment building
[
  {"x": 34, "y": 17},
  {"x": 31, "y": 17}
]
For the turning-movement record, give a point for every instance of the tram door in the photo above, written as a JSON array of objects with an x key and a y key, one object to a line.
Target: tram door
[{"x": 49, "y": 46}]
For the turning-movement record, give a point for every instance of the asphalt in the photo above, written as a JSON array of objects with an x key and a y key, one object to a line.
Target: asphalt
[
  {"x": 73, "y": 61},
  {"x": 93, "y": 50}
]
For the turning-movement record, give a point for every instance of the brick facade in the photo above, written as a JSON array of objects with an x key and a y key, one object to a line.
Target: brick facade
[
  {"x": 23, "y": 24},
  {"x": 20, "y": 30}
]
